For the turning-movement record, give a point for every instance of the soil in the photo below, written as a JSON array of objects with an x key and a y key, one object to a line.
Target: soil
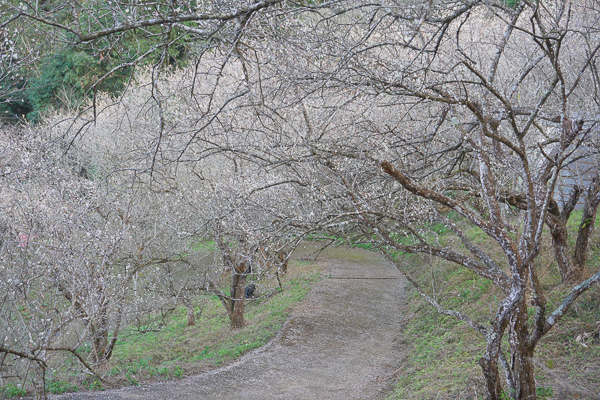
[{"x": 342, "y": 342}]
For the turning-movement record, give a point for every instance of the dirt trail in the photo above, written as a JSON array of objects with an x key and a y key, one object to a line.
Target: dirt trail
[{"x": 338, "y": 344}]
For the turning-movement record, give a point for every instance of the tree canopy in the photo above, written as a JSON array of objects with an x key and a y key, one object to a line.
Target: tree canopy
[{"x": 370, "y": 122}]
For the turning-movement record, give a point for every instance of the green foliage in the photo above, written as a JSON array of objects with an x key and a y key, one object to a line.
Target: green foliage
[
  {"x": 440, "y": 229},
  {"x": 205, "y": 246},
  {"x": 540, "y": 392},
  {"x": 366, "y": 246},
  {"x": 12, "y": 390},
  {"x": 177, "y": 372},
  {"x": 59, "y": 386},
  {"x": 94, "y": 384},
  {"x": 544, "y": 392},
  {"x": 92, "y": 172},
  {"x": 65, "y": 79},
  {"x": 129, "y": 375},
  {"x": 14, "y": 104}
]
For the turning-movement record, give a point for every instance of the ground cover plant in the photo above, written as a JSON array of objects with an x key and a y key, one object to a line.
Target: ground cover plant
[
  {"x": 213, "y": 341},
  {"x": 175, "y": 349},
  {"x": 443, "y": 363}
]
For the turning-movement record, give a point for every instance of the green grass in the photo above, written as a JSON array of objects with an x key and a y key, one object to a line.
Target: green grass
[
  {"x": 178, "y": 350},
  {"x": 12, "y": 390},
  {"x": 59, "y": 386},
  {"x": 205, "y": 246},
  {"x": 442, "y": 352}
]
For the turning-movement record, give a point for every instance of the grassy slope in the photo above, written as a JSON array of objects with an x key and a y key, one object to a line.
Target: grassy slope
[
  {"x": 178, "y": 350},
  {"x": 442, "y": 362}
]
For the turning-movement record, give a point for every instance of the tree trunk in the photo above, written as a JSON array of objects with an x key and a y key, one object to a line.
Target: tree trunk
[
  {"x": 523, "y": 373},
  {"x": 239, "y": 271},
  {"x": 99, "y": 343},
  {"x": 489, "y": 366},
  {"x": 560, "y": 237},
  {"x": 191, "y": 316},
  {"x": 586, "y": 227},
  {"x": 39, "y": 381},
  {"x": 522, "y": 368},
  {"x": 236, "y": 314},
  {"x": 99, "y": 331},
  {"x": 572, "y": 270},
  {"x": 283, "y": 261}
]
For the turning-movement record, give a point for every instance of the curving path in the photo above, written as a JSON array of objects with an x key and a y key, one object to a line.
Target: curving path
[{"x": 342, "y": 342}]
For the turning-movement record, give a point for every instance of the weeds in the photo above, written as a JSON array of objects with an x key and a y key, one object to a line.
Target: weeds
[
  {"x": 12, "y": 390},
  {"x": 177, "y": 350},
  {"x": 443, "y": 353},
  {"x": 59, "y": 386}
]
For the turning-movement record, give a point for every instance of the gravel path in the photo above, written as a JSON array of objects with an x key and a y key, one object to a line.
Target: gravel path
[{"x": 342, "y": 342}]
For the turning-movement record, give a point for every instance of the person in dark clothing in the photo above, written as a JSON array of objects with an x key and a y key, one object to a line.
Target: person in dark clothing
[{"x": 250, "y": 290}]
